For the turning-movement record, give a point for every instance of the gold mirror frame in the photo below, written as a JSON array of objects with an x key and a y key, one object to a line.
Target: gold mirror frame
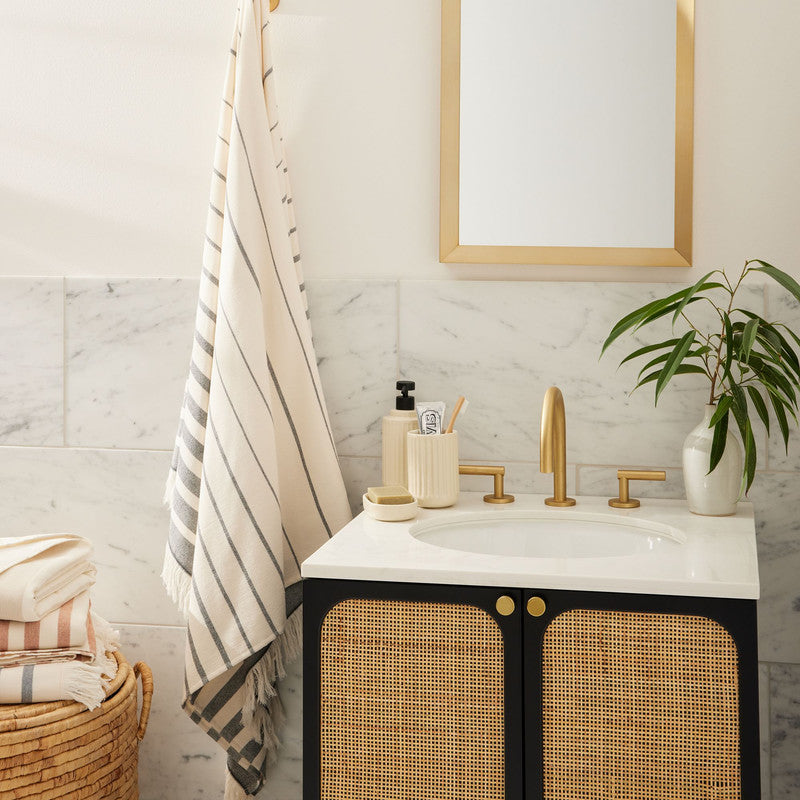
[{"x": 451, "y": 251}]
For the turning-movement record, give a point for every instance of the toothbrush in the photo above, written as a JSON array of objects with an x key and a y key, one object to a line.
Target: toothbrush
[{"x": 460, "y": 403}]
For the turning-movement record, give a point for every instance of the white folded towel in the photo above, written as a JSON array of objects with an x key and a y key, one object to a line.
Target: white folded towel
[{"x": 40, "y": 573}]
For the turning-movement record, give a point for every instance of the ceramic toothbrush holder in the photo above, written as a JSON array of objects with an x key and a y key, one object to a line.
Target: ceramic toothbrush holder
[{"x": 433, "y": 468}]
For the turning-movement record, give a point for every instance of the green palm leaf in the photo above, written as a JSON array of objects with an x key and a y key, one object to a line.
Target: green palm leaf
[
  {"x": 652, "y": 311},
  {"x": 673, "y": 362},
  {"x": 719, "y": 440},
  {"x": 760, "y": 406},
  {"x": 729, "y": 350},
  {"x": 683, "y": 369},
  {"x": 749, "y": 456},
  {"x": 748, "y": 338},
  {"x": 721, "y": 410},
  {"x": 780, "y": 415},
  {"x": 629, "y": 320},
  {"x": 700, "y": 351},
  {"x": 779, "y": 276},
  {"x": 701, "y": 285},
  {"x": 649, "y": 349}
]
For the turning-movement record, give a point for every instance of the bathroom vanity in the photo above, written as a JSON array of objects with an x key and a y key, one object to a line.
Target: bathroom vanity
[{"x": 524, "y": 652}]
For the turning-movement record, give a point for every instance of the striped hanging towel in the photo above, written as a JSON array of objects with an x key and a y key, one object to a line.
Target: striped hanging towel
[{"x": 255, "y": 485}]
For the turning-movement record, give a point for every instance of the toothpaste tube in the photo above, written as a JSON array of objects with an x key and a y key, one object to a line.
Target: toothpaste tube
[{"x": 430, "y": 417}]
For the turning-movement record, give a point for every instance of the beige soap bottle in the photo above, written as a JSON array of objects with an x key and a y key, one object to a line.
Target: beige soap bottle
[{"x": 396, "y": 424}]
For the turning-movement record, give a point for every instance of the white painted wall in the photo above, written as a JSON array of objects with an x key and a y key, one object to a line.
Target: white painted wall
[{"x": 108, "y": 116}]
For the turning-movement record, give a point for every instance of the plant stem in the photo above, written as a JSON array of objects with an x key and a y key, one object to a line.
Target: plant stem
[
  {"x": 696, "y": 330},
  {"x": 732, "y": 290},
  {"x": 703, "y": 337}
]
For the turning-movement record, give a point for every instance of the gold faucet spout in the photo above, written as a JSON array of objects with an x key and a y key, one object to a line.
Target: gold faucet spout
[{"x": 553, "y": 446}]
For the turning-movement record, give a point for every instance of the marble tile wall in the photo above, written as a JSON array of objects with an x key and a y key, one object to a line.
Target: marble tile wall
[
  {"x": 32, "y": 361},
  {"x": 91, "y": 374},
  {"x": 126, "y": 351}
]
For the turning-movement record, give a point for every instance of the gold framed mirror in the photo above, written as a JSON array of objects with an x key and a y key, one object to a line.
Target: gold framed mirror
[{"x": 566, "y": 132}]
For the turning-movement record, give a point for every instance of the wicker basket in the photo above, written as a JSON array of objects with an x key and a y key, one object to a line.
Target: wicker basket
[{"x": 61, "y": 750}]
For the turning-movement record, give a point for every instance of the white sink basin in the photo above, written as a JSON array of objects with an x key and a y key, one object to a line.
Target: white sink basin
[
  {"x": 659, "y": 548},
  {"x": 543, "y": 534}
]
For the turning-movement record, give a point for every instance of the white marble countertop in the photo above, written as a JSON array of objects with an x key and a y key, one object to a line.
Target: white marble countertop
[{"x": 716, "y": 559}]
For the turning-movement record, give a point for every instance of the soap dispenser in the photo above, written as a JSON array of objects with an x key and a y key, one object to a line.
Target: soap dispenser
[{"x": 396, "y": 425}]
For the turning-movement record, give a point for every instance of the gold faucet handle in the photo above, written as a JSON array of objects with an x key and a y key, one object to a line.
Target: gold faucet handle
[
  {"x": 625, "y": 500},
  {"x": 499, "y": 495}
]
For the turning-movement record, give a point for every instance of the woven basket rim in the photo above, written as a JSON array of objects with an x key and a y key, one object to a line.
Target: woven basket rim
[
  {"x": 16, "y": 716},
  {"x": 71, "y": 753}
]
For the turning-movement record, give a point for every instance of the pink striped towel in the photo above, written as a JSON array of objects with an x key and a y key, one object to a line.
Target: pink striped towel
[
  {"x": 77, "y": 673},
  {"x": 66, "y": 628}
]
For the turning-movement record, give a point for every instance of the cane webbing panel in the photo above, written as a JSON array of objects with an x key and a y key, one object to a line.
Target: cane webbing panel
[
  {"x": 412, "y": 703},
  {"x": 639, "y": 707}
]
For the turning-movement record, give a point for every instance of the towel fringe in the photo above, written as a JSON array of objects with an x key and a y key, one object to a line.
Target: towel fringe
[
  {"x": 269, "y": 720},
  {"x": 107, "y": 642},
  {"x": 177, "y": 582},
  {"x": 260, "y": 683},
  {"x": 85, "y": 684},
  {"x": 105, "y": 634}
]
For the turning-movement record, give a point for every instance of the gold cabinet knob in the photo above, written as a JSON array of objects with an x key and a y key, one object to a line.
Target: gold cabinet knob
[
  {"x": 536, "y": 606},
  {"x": 505, "y": 605}
]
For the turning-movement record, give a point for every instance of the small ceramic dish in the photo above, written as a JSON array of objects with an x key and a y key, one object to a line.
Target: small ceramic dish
[{"x": 390, "y": 512}]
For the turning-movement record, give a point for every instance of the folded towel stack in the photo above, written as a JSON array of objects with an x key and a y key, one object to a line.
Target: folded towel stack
[{"x": 52, "y": 645}]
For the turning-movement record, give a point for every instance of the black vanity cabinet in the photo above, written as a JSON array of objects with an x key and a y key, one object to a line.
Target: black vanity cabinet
[
  {"x": 411, "y": 692},
  {"x": 651, "y": 697},
  {"x": 435, "y": 692}
]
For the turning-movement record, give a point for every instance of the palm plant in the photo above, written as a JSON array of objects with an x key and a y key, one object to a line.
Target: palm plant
[{"x": 751, "y": 363}]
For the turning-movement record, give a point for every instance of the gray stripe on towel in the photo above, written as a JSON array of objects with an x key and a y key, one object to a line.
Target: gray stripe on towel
[
  {"x": 225, "y": 595},
  {"x": 239, "y": 561},
  {"x": 299, "y": 448},
  {"x": 243, "y": 500},
  {"x": 182, "y": 551},
  {"x": 27, "y": 683}
]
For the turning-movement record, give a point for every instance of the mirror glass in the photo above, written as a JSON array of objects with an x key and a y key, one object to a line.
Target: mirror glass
[{"x": 566, "y": 131}]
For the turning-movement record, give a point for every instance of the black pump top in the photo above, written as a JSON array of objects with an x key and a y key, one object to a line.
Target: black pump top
[{"x": 404, "y": 401}]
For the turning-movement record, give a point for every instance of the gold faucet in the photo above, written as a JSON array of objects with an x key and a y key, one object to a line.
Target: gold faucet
[
  {"x": 553, "y": 446},
  {"x": 498, "y": 473},
  {"x": 624, "y": 475}
]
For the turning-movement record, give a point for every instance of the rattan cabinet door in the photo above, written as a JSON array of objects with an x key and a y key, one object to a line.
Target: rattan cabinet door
[
  {"x": 413, "y": 698},
  {"x": 634, "y": 703}
]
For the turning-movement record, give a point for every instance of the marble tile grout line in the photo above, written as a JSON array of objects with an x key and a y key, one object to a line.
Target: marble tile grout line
[
  {"x": 584, "y": 464},
  {"x": 578, "y": 465},
  {"x": 115, "y": 623},
  {"x": 86, "y": 448},
  {"x": 774, "y": 663}
]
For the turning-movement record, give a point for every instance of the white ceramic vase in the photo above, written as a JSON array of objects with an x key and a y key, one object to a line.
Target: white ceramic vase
[{"x": 712, "y": 494}]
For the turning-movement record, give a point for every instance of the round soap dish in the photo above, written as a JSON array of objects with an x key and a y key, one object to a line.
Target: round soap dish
[{"x": 387, "y": 512}]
